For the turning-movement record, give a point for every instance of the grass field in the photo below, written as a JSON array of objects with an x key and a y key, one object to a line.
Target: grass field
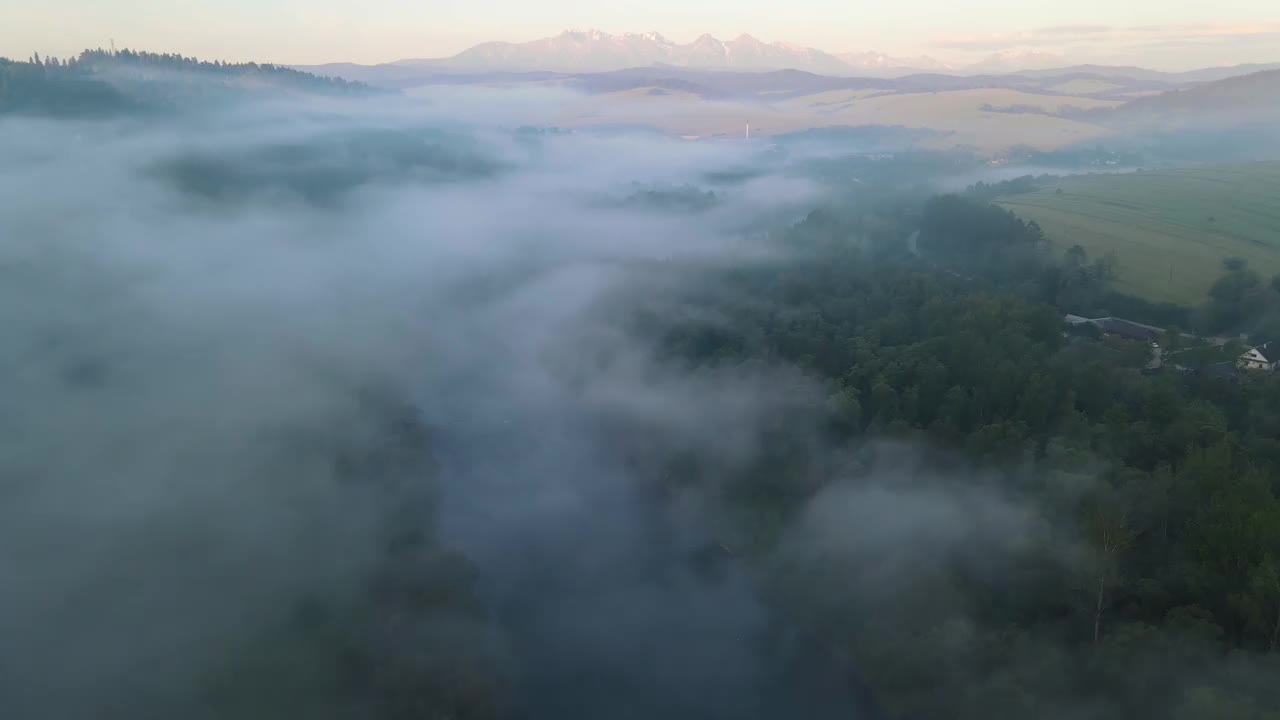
[{"x": 1169, "y": 229}]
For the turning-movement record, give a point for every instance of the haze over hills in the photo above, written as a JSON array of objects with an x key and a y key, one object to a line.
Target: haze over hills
[
  {"x": 1252, "y": 95},
  {"x": 1201, "y": 75},
  {"x": 870, "y": 61},
  {"x": 987, "y": 113},
  {"x": 1013, "y": 61}
]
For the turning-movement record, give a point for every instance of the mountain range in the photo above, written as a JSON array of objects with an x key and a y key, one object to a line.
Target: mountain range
[
  {"x": 598, "y": 51},
  {"x": 593, "y": 51}
]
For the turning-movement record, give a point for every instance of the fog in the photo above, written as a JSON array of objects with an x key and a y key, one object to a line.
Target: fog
[
  {"x": 320, "y": 365},
  {"x": 185, "y": 366}
]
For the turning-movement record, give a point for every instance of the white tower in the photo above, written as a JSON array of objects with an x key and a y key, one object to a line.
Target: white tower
[{"x": 748, "y": 135}]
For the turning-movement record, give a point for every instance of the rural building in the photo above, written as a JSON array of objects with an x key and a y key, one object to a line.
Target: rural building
[
  {"x": 1118, "y": 326},
  {"x": 1129, "y": 329},
  {"x": 1262, "y": 357}
]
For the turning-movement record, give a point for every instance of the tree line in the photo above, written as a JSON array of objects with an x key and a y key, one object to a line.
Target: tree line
[
  {"x": 1163, "y": 486},
  {"x": 101, "y": 82}
]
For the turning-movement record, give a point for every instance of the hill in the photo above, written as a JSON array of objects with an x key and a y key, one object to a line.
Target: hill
[
  {"x": 98, "y": 82},
  {"x": 1170, "y": 230},
  {"x": 1254, "y": 96},
  {"x": 979, "y": 118},
  {"x": 764, "y": 85},
  {"x": 974, "y": 120},
  {"x": 1201, "y": 75},
  {"x": 725, "y": 79}
]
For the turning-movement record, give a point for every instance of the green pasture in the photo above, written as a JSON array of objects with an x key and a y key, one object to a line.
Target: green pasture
[{"x": 1170, "y": 230}]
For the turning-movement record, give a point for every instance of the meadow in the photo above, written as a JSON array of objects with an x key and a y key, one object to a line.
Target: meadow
[{"x": 1170, "y": 229}]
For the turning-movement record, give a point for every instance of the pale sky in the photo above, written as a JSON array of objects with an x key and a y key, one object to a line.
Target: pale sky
[{"x": 1167, "y": 34}]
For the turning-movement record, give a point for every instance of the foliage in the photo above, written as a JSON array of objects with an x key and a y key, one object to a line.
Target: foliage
[
  {"x": 1164, "y": 482},
  {"x": 322, "y": 170},
  {"x": 684, "y": 198},
  {"x": 101, "y": 83},
  {"x": 1015, "y": 186}
]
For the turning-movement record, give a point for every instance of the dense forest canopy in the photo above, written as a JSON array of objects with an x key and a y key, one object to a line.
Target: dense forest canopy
[
  {"x": 102, "y": 83},
  {"x": 1157, "y": 566}
]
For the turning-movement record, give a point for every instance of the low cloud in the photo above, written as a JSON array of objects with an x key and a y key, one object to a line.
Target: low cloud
[{"x": 212, "y": 326}]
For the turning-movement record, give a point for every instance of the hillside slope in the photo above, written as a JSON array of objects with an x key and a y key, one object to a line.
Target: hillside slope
[
  {"x": 1255, "y": 93},
  {"x": 98, "y": 82}
]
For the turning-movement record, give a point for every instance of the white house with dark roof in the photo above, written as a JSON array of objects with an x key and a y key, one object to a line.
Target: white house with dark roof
[{"x": 1262, "y": 357}]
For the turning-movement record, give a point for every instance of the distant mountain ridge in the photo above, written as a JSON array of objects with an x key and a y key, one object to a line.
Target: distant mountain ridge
[
  {"x": 1253, "y": 96},
  {"x": 598, "y": 51},
  {"x": 1016, "y": 61},
  {"x": 592, "y": 51}
]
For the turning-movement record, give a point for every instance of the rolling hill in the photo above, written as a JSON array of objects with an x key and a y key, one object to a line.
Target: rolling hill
[
  {"x": 964, "y": 118},
  {"x": 1169, "y": 229},
  {"x": 101, "y": 83},
  {"x": 640, "y": 67},
  {"x": 743, "y": 85},
  {"x": 1256, "y": 95},
  {"x": 1045, "y": 110},
  {"x": 1211, "y": 74},
  {"x": 972, "y": 118}
]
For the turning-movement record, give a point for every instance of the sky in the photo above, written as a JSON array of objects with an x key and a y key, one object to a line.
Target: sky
[{"x": 1166, "y": 34}]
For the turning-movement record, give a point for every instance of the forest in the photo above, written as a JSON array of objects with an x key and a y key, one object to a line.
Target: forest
[
  {"x": 1098, "y": 540},
  {"x": 1160, "y": 487},
  {"x": 103, "y": 83}
]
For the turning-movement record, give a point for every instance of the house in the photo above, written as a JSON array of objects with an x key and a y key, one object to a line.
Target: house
[{"x": 1262, "y": 357}]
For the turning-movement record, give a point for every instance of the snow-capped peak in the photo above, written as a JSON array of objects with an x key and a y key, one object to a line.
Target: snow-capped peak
[{"x": 592, "y": 50}]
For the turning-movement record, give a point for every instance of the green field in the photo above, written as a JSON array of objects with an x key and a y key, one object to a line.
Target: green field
[{"x": 1169, "y": 229}]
